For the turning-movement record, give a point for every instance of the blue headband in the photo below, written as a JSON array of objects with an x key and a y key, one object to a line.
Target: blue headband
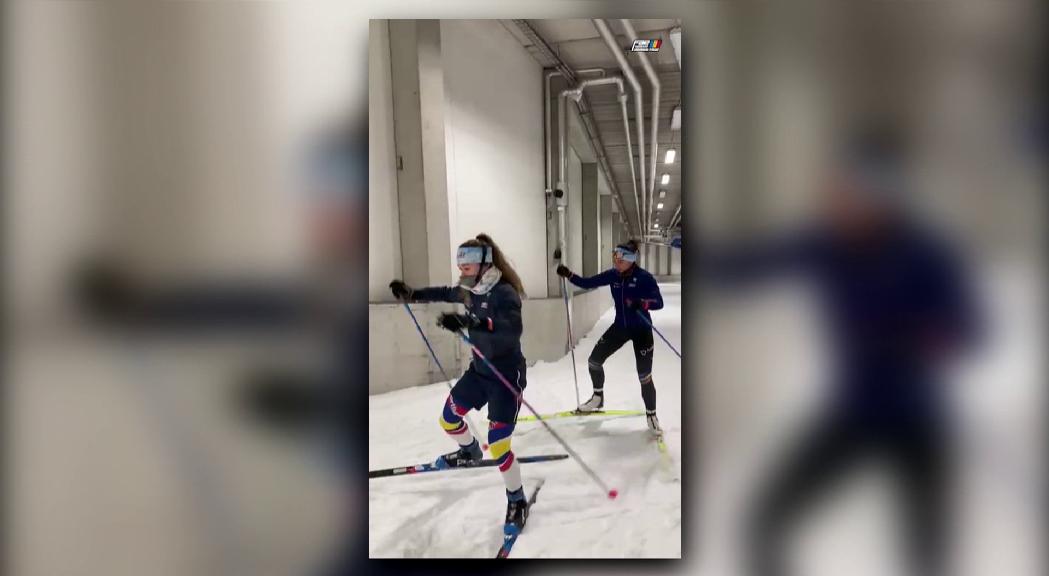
[
  {"x": 474, "y": 255},
  {"x": 625, "y": 254}
]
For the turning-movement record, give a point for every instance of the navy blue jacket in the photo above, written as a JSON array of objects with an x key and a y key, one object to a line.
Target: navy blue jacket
[
  {"x": 634, "y": 285},
  {"x": 499, "y": 310}
]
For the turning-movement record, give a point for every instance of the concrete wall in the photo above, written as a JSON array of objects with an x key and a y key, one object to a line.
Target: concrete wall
[
  {"x": 545, "y": 323},
  {"x": 398, "y": 358},
  {"x": 495, "y": 158}
]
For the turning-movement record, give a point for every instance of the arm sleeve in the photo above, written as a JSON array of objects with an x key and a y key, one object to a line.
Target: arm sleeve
[
  {"x": 452, "y": 294},
  {"x": 652, "y": 294},
  {"x": 602, "y": 279}
]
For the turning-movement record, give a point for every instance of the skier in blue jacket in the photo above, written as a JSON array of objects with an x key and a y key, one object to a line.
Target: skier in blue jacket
[
  {"x": 491, "y": 291},
  {"x": 635, "y": 293}
]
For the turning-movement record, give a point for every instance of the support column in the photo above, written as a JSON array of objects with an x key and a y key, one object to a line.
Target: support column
[
  {"x": 435, "y": 164},
  {"x": 422, "y": 183},
  {"x": 553, "y": 230},
  {"x": 605, "y": 220},
  {"x": 590, "y": 212}
]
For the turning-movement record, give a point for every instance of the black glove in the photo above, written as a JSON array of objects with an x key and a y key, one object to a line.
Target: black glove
[
  {"x": 456, "y": 322},
  {"x": 401, "y": 291},
  {"x": 563, "y": 271}
]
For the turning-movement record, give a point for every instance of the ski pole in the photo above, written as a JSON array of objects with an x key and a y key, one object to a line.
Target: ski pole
[
  {"x": 612, "y": 493},
  {"x": 656, "y": 330},
  {"x": 469, "y": 421},
  {"x": 571, "y": 338}
]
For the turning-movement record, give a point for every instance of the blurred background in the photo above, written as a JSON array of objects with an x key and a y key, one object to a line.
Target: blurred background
[
  {"x": 184, "y": 280},
  {"x": 181, "y": 233},
  {"x": 781, "y": 90}
]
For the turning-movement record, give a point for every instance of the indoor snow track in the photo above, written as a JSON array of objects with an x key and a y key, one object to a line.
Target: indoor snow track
[{"x": 459, "y": 514}]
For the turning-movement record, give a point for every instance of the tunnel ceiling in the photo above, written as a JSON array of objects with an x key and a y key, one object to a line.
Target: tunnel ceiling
[{"x": 577, "y": 44}]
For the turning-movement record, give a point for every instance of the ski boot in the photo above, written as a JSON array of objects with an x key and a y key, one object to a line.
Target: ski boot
[
  {"x": 516, "y": 512},
  {"x": 653, "y": 423},
  {"x": 464, "y": 457},
  {"x": 595, "y": 403}
]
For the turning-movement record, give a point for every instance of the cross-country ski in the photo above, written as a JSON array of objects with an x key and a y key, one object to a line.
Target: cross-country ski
[{"x": 431, "y": 467}]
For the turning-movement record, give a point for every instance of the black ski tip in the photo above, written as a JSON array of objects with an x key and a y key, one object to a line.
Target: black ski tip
[{"x": 557, "y": 254}]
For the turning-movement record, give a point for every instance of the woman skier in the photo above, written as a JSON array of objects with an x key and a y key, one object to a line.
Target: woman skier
[
  {"x": 491, "y": 291},
  {"x": 635, "y": 293}
]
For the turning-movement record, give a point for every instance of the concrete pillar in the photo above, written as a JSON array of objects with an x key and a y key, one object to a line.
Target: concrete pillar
[
  {"x": 553, "y": 281},
  {"x": 435, "y": 165},
  {"x": 384, "y": 229},
  {"x": 606, "y": 223},
  {"x": 422, "y": 194},
  {"x": 590, "y": 212},
  {"x": 621, "y": 233},
  {"x": 411, "y": 199},
  {"x": 574, "y": 216}
]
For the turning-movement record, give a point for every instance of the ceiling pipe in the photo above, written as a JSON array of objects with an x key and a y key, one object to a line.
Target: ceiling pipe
[
  {"x": 629, "y": 151},
  {"x": 639, "y": 120},
  {"x": 674, "y": 218},
  {"x": 546, "y": 107},
  {"x": 654, "y": 79},
  {"x": 577, "y": 94}
]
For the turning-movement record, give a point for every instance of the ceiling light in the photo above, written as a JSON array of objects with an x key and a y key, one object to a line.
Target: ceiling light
[
  {"x": 659, "y": 206},
  {"x": 675, "y": 119},
  {"x": 656, "y": 225},
  {"x": 670, "y": 156},
  {"x": 666, "y": 179},
  {"x": 662, "y": 193}
]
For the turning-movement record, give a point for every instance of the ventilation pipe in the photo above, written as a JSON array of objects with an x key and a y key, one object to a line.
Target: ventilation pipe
[
  {"x": 654, "y": 156},
  {"x": 639, "y": 120},
  {"x": 576, "y": 94}
]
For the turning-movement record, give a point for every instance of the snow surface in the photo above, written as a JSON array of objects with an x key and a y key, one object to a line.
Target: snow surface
[{"x": 459, "y": 514}]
